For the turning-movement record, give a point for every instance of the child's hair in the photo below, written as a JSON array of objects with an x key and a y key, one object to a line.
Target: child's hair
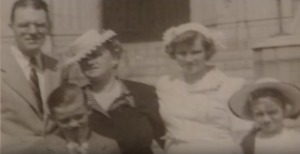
[
  {"x": 64, "y": 95},
  {"x": 275, "y": 95}
]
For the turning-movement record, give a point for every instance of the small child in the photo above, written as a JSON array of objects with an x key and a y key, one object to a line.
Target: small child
[
  {"x": 268, "y": 103},
  {"x": 69, "y": 110}
]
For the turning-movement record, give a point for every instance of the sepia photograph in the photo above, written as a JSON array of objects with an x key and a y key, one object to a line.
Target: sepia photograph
[{"x": 150, "y": 76}]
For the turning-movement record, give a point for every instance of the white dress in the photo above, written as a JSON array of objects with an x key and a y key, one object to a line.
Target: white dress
[
  {"x": 287, "y": 142},
  {"x": 197, "y": 117}
]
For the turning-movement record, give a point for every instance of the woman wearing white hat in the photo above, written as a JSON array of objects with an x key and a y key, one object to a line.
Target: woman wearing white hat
[
  {"x": 268, "y": 103},
  {"x": 123, "y": 110},
  {"x": 193, "y": 104}
]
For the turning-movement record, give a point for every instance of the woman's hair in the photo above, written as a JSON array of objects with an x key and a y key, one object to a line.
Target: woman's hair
[
  {"x": 114, "y": 46},
  {"x": 275, "y": 95},
  {"x": 189, "y": 37}
]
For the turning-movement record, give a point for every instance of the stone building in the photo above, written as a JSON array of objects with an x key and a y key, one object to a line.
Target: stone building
[{"x": 244, "y": 23}]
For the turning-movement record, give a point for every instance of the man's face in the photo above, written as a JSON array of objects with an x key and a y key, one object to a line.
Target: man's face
[
  {"x": 30, "y": 27},
  {"x": 73, "y": 118}
]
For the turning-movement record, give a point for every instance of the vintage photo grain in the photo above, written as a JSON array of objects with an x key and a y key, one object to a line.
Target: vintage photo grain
[{"x": 150, "y": 76}]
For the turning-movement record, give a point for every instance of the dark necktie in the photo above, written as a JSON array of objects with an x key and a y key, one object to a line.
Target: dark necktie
[{"x": 35, "y": 83}]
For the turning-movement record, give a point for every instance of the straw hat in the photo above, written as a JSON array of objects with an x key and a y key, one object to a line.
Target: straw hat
[
  {"x": 88, "y": 42},
  {"x": 238, "y": 101}
]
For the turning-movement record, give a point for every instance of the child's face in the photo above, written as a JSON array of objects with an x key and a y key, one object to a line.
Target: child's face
[
  {"x": 73, "y": 118},
  {"x": 268, "y": 115}
]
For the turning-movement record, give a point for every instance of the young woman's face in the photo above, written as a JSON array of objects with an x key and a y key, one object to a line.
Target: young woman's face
[
  {"x": 191, "y": 57},
  {"x": 268, "y": 115},
  {"x": 98, "y": 64}
]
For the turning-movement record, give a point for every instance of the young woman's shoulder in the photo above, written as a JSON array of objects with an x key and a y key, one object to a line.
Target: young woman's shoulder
[{"x": 230, "y": 85}]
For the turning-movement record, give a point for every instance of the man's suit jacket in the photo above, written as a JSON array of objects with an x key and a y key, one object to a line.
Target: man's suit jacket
[{"x": 21, "y": 121}]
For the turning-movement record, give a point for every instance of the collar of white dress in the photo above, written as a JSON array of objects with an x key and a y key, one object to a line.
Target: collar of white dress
[{"x": 212, "y": 80}]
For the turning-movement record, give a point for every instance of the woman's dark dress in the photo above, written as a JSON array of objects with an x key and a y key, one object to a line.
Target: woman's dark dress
[{"x": 132, "y": 120}]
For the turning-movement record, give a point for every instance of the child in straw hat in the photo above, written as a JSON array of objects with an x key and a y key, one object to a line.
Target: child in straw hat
[{"x": 268, "y": 103}]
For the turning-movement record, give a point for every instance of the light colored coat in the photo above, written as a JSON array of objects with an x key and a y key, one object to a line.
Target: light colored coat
[{"x": 21, "y": 121}]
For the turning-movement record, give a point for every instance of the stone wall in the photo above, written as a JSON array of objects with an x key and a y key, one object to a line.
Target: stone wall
[{"x": 243, "y": 23}]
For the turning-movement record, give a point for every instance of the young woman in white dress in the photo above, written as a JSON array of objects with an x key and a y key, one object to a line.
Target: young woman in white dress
[{"x": 193, "y": 104}]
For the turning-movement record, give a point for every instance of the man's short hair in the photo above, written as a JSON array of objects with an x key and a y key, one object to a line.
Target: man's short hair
[
  {"x": 64, "y": 95},
  {"x": 35, "y": 4}
]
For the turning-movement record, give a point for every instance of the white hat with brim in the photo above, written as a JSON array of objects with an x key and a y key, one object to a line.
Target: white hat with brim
[
  {"x": 238, "y": 102},
  {"x": 86, "y": 43}
]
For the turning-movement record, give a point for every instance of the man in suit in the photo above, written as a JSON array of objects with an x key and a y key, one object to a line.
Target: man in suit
[{"x": 27, "y": 77}]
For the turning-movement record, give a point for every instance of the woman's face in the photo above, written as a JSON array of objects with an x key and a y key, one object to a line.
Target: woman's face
[
  {"x": 99, "y": 64},
  {"x": 191, "y": 57},
  {"x": 268, "y": 115}
]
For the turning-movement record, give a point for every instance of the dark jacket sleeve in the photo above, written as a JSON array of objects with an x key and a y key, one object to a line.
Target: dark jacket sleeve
[
  {"x": 147, "y": 102},
  {"x": 248, "y": 142}
]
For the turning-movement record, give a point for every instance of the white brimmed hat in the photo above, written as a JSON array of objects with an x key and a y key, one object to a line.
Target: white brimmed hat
[
  {"x": 86, "y": 43},
  {"x": 238, "y": 102},
  {"x": 173, "y": 32}
]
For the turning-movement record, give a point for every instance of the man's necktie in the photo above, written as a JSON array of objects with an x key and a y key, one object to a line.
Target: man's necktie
[{"x": 35, "y": 83}]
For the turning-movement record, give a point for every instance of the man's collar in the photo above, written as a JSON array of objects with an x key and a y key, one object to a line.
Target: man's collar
[
  {"x": 20, "y": 57},
  {"x": 24, "y": 60}
]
